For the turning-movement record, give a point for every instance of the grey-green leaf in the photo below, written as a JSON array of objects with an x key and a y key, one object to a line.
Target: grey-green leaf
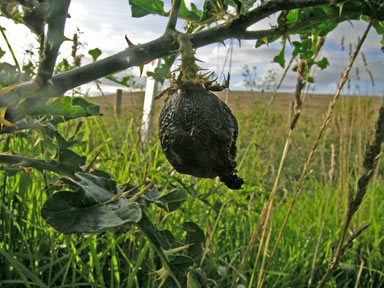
[{"x": 88, "y": 209}]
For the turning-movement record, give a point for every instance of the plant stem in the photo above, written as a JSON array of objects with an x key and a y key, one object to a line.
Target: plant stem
[
  {"x": 56, "y": 16},
  {"x": 159, "y": 245},
  {"x": 253, "y": 139},
  {"x": 38, "y": 164},
  {"x": 369, "y": 164},
  {"x": 10, "y": 48},
  {"x": 317, "y": 249},
  {"x": 298, "y": 104},
  {"x": 174, "y": 15}
]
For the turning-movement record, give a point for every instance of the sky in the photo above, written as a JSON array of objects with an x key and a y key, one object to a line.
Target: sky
[{"x": 105, "y": 23}]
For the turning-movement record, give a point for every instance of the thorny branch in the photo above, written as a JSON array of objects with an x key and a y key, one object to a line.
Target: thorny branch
[
  {"x": 163, "y": 46},
  {"x": 56, "y": 16},
  {"x": 21, "y": 161}
]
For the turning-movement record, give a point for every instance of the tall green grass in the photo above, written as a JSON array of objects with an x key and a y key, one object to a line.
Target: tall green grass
[{"x": 34, "y": 255}]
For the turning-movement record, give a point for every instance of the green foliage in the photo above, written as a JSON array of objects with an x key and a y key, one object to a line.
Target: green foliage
[
  {"x": 164, "y": 71},
  {"x": 281, "y": 57},
  {"x": 73, "y": 187},
  {"x": 124, "y": 81},
  {"x": 90, "y": 208},
  {"x": 61, "y": 109},
  {"x": 140, "y": 8},
  {"x": 95, "y": 53}
]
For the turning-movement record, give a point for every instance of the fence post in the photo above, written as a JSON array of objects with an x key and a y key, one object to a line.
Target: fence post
[
  {"x": 150, "y": 92},
  {"x": 119, "y": 94}
]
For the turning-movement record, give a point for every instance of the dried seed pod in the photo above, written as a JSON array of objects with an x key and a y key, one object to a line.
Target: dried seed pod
[{"x": 198, "y": 134}]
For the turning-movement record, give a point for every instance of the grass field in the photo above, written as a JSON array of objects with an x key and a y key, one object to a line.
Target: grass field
[{"x": 34, "y": 255}]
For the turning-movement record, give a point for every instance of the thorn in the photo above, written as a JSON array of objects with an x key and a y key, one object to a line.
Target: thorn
[
  {"x": 341, "y": 5},
  {"x": 239, "y": 40},
  {"x": 265, "y": 39},
  {"x": 27, "y": 171},
  {"x": 6, "y": 89},
  {"x": 6, "y": 122},
  {"x": 21, "y": 101},
  {"x": 175, "y": 250},
  {"x": 93, "y": 160},
  {"x": 175, "y": 51},
  {"x": 138, "y": 195},
  {"x": 226, "y": 81},
  {"x": 65, "y": 38},
  {"x": 222, "y": 42},
  {"x": 141, "y": 70},
  {"x": 37, "y": 142},
  {"x": 62, "y": 99},
  {"x": 130, "y": 44},
  {"x": 288, "y": 37},
  {"x": 196, "y": 59}
]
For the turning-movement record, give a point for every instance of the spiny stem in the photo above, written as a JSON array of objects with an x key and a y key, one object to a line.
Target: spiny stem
[
  {"x": 189, "y": 68},
  {"x": 56, "y": 16}
]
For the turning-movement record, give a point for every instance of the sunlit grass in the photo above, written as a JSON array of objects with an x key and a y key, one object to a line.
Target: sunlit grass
[{"x": 34, "y": 255}]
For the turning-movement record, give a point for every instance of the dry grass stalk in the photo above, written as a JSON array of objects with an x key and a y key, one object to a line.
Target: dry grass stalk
[
  {"x": 331, "y": 176},
  {"x": 301, "y": 74},
  {"x": 317, "y": 140},
  {"x": 263, "y": 212},
  {"x": 370, "y": 161}
]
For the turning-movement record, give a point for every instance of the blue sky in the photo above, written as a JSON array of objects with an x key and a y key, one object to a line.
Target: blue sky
[{"x": 104, "y": 24}]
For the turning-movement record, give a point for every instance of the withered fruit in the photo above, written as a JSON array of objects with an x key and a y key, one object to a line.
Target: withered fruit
[{"x": 198, "y": 131}]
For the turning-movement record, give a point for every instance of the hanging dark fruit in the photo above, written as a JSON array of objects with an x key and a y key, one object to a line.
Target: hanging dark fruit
[
  {"x": 198, "y": 131},
  {"x": 198, "y": 134}
]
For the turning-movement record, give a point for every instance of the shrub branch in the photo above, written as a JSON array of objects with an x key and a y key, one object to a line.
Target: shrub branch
[
  {"x": 163, "y": 46},
  {"x": 41, "y": 165},
  {"x": 56, "y": 16}
]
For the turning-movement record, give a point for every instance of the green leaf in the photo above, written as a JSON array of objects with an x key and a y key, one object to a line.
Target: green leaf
[
  {"x": 88, "y": 209},
  {"x": 140, "y": 8},
  {"x": 195, "y": 237},
  {"x": 323, "y": 63},
  {"x": 280, "y": 58},
  {"x": 194, "y": 15},
  {"x": 164, "y": 71},
  {"x": 182, "y": 262},
  {"x": 196, "y": 278},
  {"x": 123, "y": 81},
  {"x": 379, "y": 27},
  {"x": 95, "y": 53},
  {"x": 2, "y": 52},
  {"x": 173, "y": 200},
  {"x": 58, "y": 111},
  {"x": 70, "y": 158},
  {"x": 292, "y": 16}
]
